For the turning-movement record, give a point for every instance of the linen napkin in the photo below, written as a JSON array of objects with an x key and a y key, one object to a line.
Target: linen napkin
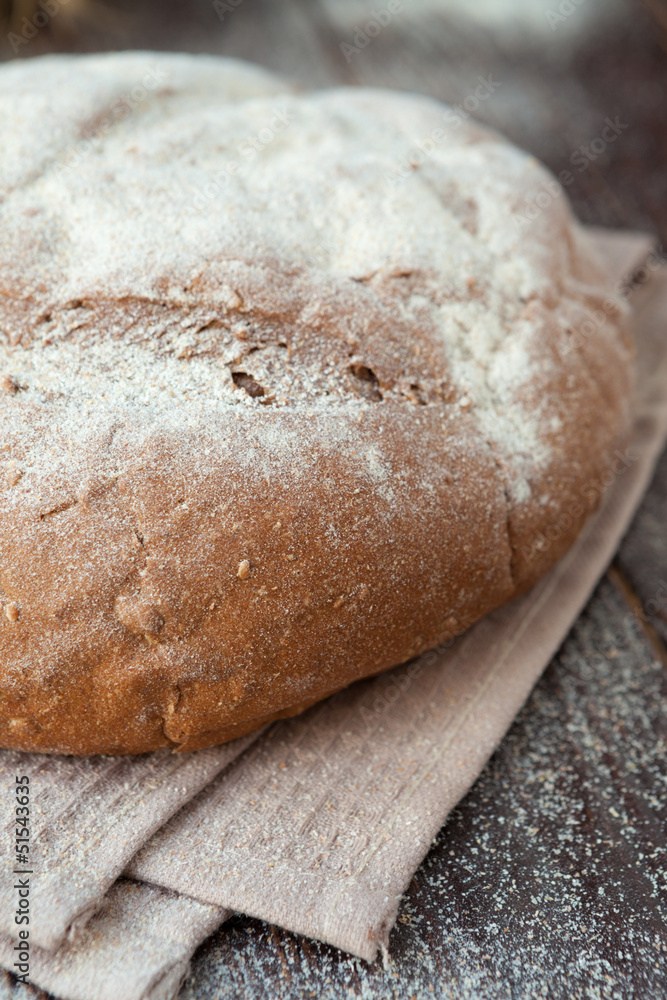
[
  {"x": 88, "y": 816},
  {"x": 138, "y": 946}
]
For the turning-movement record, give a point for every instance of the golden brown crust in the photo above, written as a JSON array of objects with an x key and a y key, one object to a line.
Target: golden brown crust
[
  {"x": 238, "y": 478},
  {"x": 138, "y": 583}
]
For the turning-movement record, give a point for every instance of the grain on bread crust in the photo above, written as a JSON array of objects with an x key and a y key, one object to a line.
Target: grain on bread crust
[{"x": 285, "y": 399}]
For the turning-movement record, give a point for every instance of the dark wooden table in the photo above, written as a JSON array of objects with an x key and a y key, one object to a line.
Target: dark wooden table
[{"x": 549, "y": 879}]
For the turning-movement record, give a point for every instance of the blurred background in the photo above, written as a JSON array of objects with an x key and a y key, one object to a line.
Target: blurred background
[{"x": 558, "y": 72}]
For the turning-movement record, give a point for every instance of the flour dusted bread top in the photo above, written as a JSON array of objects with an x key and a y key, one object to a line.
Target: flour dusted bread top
[{"x": 289, "y": 392}]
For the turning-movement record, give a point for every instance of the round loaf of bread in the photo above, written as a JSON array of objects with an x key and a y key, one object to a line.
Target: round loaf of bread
[{"x": 292, "y": 387}]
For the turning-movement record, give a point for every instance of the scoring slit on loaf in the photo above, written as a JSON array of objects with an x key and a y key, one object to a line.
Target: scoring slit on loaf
[{"x": 277, "y": 416}]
